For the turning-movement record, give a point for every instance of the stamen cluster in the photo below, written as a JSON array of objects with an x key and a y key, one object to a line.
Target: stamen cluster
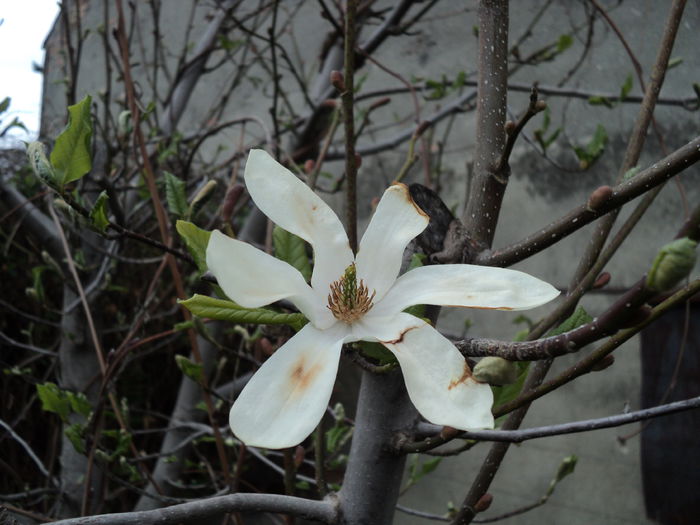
[{"x": 348, "y": 300}]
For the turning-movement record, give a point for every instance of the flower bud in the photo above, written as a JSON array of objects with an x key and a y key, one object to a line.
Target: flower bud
[
  {"x": 540, "y": 105},
  {"x": 338, "y": 80},
  {"x": 483, "y": 503},
  {"x": 672, "y": 264},
  {"x": 602, "y": 280},
  {"x": 40, "y": 164},
  {"x": 202, "y": 197},
  {"x": 496, "y": 371},
  {"x": 124, "y": 125},
  {"x": 309, "y": 165},
  {"x": 232, "y": 196},
  {"x": 604, "y": 363},
  {"x": 599, "y": 196}
]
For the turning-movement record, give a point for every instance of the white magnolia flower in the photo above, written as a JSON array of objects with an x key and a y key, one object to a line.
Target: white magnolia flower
[{"x": 353, "y": 298}]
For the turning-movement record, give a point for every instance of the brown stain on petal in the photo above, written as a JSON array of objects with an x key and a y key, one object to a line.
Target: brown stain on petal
[
  {"x": 479, "y": 307},
  {"x": 302, "y": 376},
  {"x": 466, "y": 375},
  {"x": 407, "y": 196},
  {"x": 401, "y": 336}
]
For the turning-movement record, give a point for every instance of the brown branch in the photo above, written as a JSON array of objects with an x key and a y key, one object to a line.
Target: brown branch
[
  {"x": 656, "y": 174},
  {"x": 347, "y": 98}
]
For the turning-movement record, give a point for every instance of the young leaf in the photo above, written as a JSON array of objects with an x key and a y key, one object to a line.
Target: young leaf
[
  {"x": 566, "y": 467},
  {"x": 564, "y": 43},
  {"x": 175, "y": 195},
  {"x": 71, "y": 157},
  {"x": 98, "y": 214},
  {"x": 192, "y": 370},
  {"x": 292, "y": 249},
  {"x": 223, "y": 310},
  {"x": 626, "y": 87},
  {"x": 5, "y": 104},
  {"x": 196, "y": 239},
  {"x": 53, "y": 399},
  {"x": 40, "y": 164}
]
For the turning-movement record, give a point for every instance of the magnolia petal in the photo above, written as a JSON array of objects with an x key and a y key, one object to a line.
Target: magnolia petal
[
  {"x": 466, "y": 285},
  {"x": 438, "y": 378},
  {"x": 252, "y": 278},
  {"x": 293, "y": 206},
  {"x": 286, "y": 398},
  {"x": 396, "y": 221}
]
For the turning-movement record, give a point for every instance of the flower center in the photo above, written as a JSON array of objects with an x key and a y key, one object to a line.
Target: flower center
[{"x": 349, "y": 301}]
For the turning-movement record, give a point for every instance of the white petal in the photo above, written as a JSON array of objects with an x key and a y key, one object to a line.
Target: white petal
[
  {"x": 286, "y": 398},
  {"x": 252, "y": 278},
  {"x": 466, "y": 285},
  {"x": 293, "y": 206},
  {"x": 438, "y": 378},
  {"x": 396, "y": 221}
]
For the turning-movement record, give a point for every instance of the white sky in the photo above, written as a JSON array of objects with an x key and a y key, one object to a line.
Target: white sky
[{"x": 25, "y": 24}]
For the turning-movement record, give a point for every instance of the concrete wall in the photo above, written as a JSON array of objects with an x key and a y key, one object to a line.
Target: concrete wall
[{"x": 606, "y": 487}]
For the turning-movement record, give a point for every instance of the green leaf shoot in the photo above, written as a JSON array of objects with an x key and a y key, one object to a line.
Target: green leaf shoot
[
  {"x": 71, "y": 156},
  {"x": 223, "y": 310},
  {"x": 98, "y": 213}
]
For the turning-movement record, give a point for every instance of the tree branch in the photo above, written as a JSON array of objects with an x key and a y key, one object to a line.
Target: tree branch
[
  {"x": 654, "y": 175},
  {"x": 193, "y": 512}
]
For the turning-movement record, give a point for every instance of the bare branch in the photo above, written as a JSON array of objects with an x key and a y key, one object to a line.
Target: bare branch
[{"x": 195, "y": 511}]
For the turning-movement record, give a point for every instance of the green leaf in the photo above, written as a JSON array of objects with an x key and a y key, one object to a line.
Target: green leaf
[
  {"x": 79, "y": 403},
  {"x": 506, "y": 393},
  {"x": 196, "y": 239},
  {"x": 223, "y": 310},
  {"x": 175, "y": 195},
  {"x": 564, "y": 43},
  {"x": 626, "y": 87},
  {"x": 291, "y": 249},
  {"x": 5, "y": 104},
  {"x": 597, "y": 100},
  {"x": 98, "y": 214},
  {"x": 76, "y": 435},
  {"x": 54, "y": 400},
  {"x": 417, "y": 469},
  {"x": 576, "y": 319},
  {"x": 676, "y": 61},
  {"x": 71, "y": 157},
  {"x": 594, "y": 149},
  {"x": 378, "y": 352},
  {"x": 192, "y": 370}
]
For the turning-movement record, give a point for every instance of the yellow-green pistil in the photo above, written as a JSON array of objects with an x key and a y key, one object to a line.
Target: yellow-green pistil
[{"x": 349, "y": 301}]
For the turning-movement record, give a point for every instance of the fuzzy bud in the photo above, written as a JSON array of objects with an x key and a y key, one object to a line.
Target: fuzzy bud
[
  {"x": 379, "y": 103},
  {"x": 604, "y": 363},
  {"x": 484, "y": 503},
  {"x": 672, "y": 264},
  {"x": 509, "y": 127},
  {"x": 232, "y": 196},
  {"x": 496, "y": 371},
  {"x": 124, "y": 125},
  {"x": 602, "y": 280},
  {"x": 599, "y": 197},
  {"x": 540, "y": 105},
  {"x": 202, "y": 197},
  {"x": 309, "y": 166},
  {"x": 40, "y": 164},
  {"x": 338, "y": 80}
]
